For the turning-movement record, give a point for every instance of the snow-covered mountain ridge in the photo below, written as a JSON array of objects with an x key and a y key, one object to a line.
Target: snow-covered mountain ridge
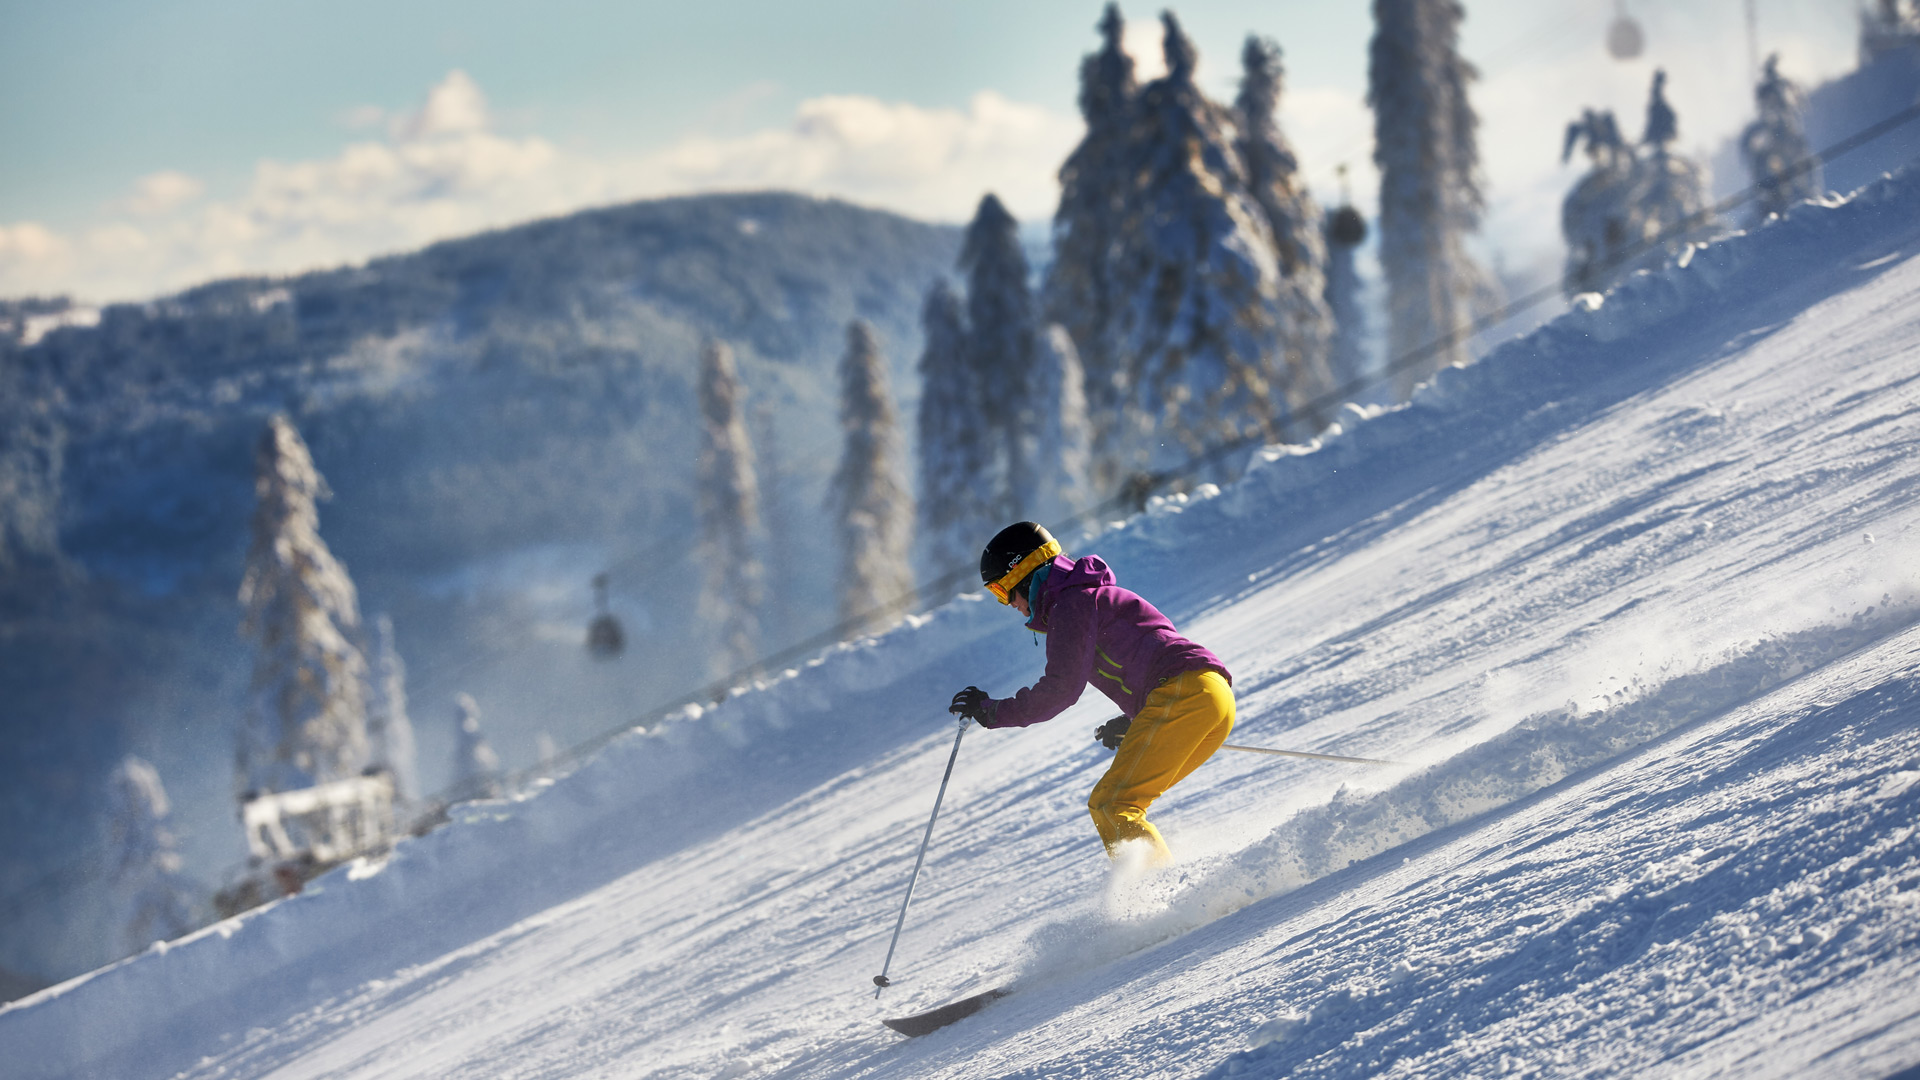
[
  {"x": 1633, "y": 597},
  {"x": 499, "y": 418}
]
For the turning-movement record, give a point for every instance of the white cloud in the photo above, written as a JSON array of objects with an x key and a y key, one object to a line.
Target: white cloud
[
  {"x": 454, "y": 107},
  {"x": 403, "y": 178},
  {"x": 443, "y": 171},
  {"x": 161, "y": 192},
  {"x": 28, "y": 242},
  {"x": 930, "y": 163}
]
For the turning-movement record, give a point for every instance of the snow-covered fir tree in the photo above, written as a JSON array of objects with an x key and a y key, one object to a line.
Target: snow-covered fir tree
[
  {"x": 1000, "y": 339},
  {"x": 476, "y": 768},
  {"x": 1633, "y": 208},
  {"x": 728, "y": 501},
  {"x": 156, "y": 900},
  {"x": 1670, "y": 191},
  {"x": 33, "y": 439},
  {"x": 1775, "y": 145},
  {"x": 1426, "y": 146},
  {"x": 956, "y": 508},
  {"x": 1884, "y": 28},
  {"x": 1300, "y": 367},
  {"x": 1663, "y": 124},
  {"x": 389, "y": 730},
  {"x": 1195, "y": 278},
  {"x": 779, "y": 569},
  {"x": 1348, "y": 358},
  {"x": 1064, "y": 438},
  {"x": 1079, "y": 293},
  {"x": 870, "y": 502},
  {"x": 306, "y": 714},
  {"x": 1599, "y": 219}
]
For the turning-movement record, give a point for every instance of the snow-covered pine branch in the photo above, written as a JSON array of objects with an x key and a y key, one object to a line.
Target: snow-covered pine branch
[
  {"x": 728, "y": 500},
  {"x": 33, "y": 445},
  {"x": 1196, "y": 278},
  {"x": 1000, "y": 341},
  {"x": 476, "y": 768},
  {"x": 306, "y": 717},
  {"x": 869, "y": 499},
  {"x": 1599, "y": 219},
  {"x": 1300, "y": 367},
  {"x": 782, "y": 574},
  {"x": 1079, "y": 292},
  {"x": 156, "y": 900},
  {"x": 389, "y": 730},
  {"x": 1669, "y": 190},
  {"x": 955, "y": 504},
  {"x": 1775, "y": 145},
  {"x": 1426, "y": 146},
  {"x": 1884, "y": 28},
  {"x": 1061, "y": 486}
]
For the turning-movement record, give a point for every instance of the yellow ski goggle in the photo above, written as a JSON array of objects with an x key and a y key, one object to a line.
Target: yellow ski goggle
[{"x": 1044, "y": 553}]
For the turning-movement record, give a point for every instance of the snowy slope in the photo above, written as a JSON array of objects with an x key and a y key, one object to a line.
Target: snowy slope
[{"x": 1635, "y": 599}]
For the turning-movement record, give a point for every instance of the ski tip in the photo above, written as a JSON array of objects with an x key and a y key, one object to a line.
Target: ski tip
[{"x": 934, "y": 1019}]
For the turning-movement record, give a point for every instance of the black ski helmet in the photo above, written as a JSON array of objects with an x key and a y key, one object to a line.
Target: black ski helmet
[{"x": 1008, "y": 547}]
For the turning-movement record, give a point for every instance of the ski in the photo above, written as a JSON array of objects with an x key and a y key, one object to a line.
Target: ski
[{"x": 934, "y": 1019}]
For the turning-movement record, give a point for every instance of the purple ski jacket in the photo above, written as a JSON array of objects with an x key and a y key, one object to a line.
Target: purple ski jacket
[{"x": 1099, "y": 633}]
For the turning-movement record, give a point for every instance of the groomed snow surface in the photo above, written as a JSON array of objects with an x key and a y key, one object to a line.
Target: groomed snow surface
[{"x": 1635, "y": 600}]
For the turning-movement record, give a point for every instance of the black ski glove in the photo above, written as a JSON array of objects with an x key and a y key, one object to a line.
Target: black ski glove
[
  {"x": 1110, "y": 733},
  {"x": 972, "y": 704}
]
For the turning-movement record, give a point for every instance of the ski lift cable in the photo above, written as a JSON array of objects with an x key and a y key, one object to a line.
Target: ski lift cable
[
  {"x": 651, "y": 562},
  {"x": 1353, "y": 388},
  {"x": 1675, "y": 231},
  {"x": 1414, "y": 357},
  {"x": 1121, "y": 503},
  {"x": 1126, "y": 502},
  {"x": 546, "y": 767},
  {"x": 651, "y": 558}
]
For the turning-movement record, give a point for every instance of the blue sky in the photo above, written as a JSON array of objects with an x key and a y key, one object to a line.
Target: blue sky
[{"x": 153, "y": 146}]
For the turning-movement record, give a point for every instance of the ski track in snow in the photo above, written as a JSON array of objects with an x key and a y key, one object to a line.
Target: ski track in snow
[{"x": 1634, "y": 599}]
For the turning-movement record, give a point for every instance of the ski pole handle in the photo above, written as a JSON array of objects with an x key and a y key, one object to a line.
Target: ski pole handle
[{"x": 880, "y": 981}]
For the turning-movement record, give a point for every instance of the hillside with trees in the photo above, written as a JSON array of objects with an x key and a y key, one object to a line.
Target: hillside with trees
[
  {"x": 589, "y": 473},
  {"x": 499, "y": 419}
]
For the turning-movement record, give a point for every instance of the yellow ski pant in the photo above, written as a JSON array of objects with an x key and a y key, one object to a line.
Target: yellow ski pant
[{"x": 1184, "y": 721}]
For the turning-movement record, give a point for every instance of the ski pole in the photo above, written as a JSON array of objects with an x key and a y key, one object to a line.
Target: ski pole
[
  {"x": 880, "y": 981},
  {"x": 1304, "y": 754}
]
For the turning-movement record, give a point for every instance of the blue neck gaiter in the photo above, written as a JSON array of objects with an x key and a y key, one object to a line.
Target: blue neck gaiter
[{"x": 1033, "y": 596}]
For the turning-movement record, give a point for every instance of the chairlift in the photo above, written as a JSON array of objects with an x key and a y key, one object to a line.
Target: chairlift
[
  {"x": 1347, "y": 228},
  {"x": 606, "y": 638},
  {"x": 1625, "y": 39}
]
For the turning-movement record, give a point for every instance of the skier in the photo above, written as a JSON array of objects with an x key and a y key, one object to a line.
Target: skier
[{"x": 1176, "y": 698}]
